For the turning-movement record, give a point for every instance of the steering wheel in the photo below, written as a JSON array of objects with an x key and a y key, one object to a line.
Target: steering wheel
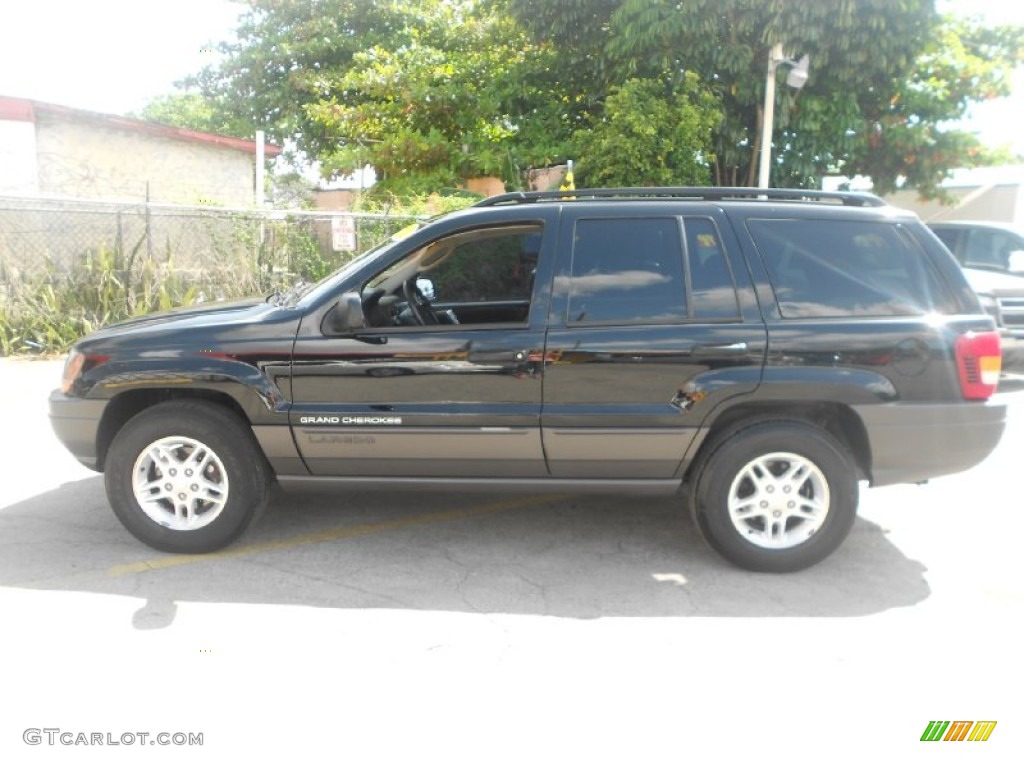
[
  {"x": 375, "y": 315},
  {"x": 420, "y": 307}
]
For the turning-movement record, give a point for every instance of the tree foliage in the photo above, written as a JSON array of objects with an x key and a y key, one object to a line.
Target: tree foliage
[
  {"x": 439, "y": 106},
  {"x": 289, "y": 55},
  {"x": 651, "y": 133},
  {"x": 431, "y": 91},
  {"x": 907, "y": 134},
  {"x": 863, "y": 110},
  {"x": 196, "y": 112},
  {"x": 427, "y": 92}
]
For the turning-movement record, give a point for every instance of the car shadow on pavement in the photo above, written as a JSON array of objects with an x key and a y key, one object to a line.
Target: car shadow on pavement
[{"x": 571, "y": 557}]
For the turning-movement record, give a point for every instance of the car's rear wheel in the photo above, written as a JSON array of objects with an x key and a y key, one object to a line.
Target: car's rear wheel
[
  {"x": 186, "y": 476},
  {"x": 776, "y": 496}
]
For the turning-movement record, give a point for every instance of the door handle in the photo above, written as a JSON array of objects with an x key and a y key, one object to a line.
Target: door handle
[
  {"x": 724, "y": 350},
  {"x": 368, "y": 339}
]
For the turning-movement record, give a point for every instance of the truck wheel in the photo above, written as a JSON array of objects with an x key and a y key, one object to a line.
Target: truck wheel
[
  {"x": 776, "y": 496},
  {"x": 186, "y": 476}
]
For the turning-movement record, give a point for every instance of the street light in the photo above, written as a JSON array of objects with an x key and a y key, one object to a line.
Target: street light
[{"x": 796, "y": 79}]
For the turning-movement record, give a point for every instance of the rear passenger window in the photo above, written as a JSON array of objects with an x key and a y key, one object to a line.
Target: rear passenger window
[
  {"x": 627, "y": 272},
  {"x": 830, "y": 268}
]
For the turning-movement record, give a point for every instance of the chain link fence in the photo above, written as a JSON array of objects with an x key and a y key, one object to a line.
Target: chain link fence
[
  {"x": 83, "y": 264},
  {"x": 237, "y": 249}
]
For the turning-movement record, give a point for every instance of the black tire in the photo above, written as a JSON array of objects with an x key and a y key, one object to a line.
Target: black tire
[
  {"x": 753, "y": 513},
  {"x": 216, "y": 449}
]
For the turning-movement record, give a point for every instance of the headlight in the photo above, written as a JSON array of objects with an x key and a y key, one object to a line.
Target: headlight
[
  {"x": 72, "y": 370},
  {"x": 76, "y": 365}
]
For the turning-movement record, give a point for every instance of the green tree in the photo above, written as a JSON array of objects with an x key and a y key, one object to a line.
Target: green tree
[
  {"x": 287, "y": 56},
  {"x": 908, "y": 134},
  {"x": 886, "y": 75},
  {"x": 427, "y": 91},
  {"x": 651, "y": 133},
  {"x": 196, "y": 112},
  {"x": 434, "y": 109},
  {"x": 576, "y": 34},
  {"x": 431, "y": 91}
]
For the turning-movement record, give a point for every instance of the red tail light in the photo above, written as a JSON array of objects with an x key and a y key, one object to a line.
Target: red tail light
[{"x": 979, "y": 358}]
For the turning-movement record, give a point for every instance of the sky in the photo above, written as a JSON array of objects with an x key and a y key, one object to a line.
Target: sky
[
  {"x": 116, "y": 55},
  {"x": 108, "y": 55}
]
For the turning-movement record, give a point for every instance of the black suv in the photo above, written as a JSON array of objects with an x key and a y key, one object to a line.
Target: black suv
[{"x": 765, "y": 350}]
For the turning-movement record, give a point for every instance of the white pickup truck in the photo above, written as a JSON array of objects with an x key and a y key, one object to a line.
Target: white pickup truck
[{"x": 992, "y": 255}]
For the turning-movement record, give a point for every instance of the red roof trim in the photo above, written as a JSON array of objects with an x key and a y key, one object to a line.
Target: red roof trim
[
  {"x": 27, "y": 110},
  {"x": 16, "y": 109}
]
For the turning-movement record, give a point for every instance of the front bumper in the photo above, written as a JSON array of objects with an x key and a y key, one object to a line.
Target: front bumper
[
  {"x": 1012, "y": 343},
  {"x": 912, "y": 443},
  {"x": 76, "y": 423}
]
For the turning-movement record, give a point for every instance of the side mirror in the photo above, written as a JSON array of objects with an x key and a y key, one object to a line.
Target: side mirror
[
  {"x": 1015, "y": 263},
  {"x": 346, "y": 316}
]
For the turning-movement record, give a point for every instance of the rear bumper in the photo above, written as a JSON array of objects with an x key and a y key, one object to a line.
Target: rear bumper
[
  {"x": 912, "y": 443},
  {"x": 76, "y": 423}
]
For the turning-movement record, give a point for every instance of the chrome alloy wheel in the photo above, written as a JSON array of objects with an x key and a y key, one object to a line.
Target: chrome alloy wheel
[
  {"x": 778, "y": 500},
  {"x": 180, "y": 483}
]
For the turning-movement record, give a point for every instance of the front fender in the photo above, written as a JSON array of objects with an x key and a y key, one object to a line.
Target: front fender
[
  {"x": 256, "y": 389},
  {"x": 250, "y": 391}
]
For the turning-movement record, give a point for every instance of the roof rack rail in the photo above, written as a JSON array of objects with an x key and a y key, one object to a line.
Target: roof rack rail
[{"x": 860, "y": 199}]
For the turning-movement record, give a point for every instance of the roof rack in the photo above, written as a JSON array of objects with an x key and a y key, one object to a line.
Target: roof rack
[{"x": 859, "y": 199}]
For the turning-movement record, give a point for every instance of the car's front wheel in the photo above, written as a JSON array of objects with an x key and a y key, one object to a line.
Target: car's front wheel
[
  {"x": 186, "y": 476},
  {"x": 776, "y": 496}
]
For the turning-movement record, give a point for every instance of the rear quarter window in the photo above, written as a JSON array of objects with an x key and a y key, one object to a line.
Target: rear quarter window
[{"x": 842, "y": 268}]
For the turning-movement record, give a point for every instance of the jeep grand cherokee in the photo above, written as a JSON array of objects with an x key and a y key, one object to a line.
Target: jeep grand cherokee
[{"x": 758, "y": 352}]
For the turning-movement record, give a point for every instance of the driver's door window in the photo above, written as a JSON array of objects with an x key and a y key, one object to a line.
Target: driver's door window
[{"x": 483, "y": 277}]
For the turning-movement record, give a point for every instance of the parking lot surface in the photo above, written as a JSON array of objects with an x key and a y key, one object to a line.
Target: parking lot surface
[{"x": 394, "y": 628}]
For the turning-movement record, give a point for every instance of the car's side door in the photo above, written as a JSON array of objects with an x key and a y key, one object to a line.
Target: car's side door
[
  {"x": 653, "y": 323},
  {"x": 445, "y": 378}
]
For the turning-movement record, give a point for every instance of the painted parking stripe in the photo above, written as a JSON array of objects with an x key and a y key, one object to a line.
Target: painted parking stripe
[{"x": 333, "y": 534}]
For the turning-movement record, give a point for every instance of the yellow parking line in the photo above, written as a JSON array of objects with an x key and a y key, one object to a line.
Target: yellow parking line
[{"x": 334, "y": 534}]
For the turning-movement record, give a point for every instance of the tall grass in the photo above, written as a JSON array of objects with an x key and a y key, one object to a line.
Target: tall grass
[
  {"x": 47, "y": 312},
  {"x": 47, "y": 302}
]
